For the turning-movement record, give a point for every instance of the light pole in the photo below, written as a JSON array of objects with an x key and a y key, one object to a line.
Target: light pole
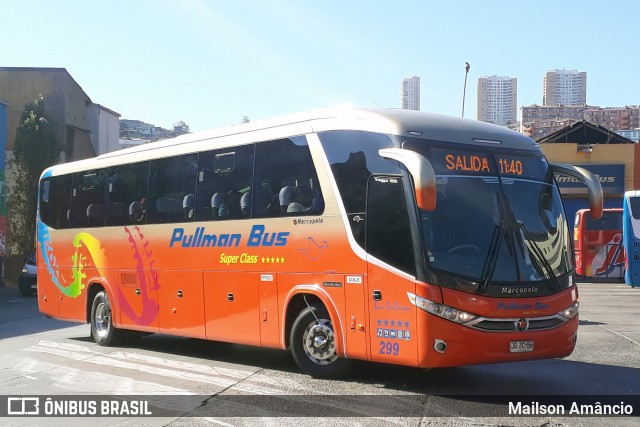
[{"x": 464, "y": 90}]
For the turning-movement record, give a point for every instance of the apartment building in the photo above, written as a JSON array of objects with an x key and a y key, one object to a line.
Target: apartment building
[
  {"x": 410, "y": 93},
  {"x": 564, "y": 87},
  {"x": 614, "y": 118},
  {"x": 497, "y": 100},
  {"x": 539, "y": 121}
]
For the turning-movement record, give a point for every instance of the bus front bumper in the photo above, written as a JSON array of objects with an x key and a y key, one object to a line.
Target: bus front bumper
[{"x": 450, "y": 344}]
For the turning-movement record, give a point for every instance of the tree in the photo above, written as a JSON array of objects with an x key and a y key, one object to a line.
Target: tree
[
  {"x": 245, "y": 119},
  {"x": 34, "y": 150}
]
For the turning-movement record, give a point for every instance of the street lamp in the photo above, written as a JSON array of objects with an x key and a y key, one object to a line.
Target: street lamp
[{"x": 464, "y": 91}]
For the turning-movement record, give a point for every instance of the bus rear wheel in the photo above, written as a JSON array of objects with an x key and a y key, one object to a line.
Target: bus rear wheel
[
  {"x": 102, "y": 329},
  {"x": 313, "y": 344}
]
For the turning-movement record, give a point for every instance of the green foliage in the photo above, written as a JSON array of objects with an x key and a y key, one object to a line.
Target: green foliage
[{"x": 34, "y": 150}]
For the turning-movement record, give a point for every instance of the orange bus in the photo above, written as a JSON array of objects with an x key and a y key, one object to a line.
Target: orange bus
[
  {"x": 392, "y": 236},
  {"x": 599, "y": 247}
]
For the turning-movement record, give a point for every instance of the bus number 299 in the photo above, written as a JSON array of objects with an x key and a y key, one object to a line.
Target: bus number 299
[{"x": 389, "y": 348}]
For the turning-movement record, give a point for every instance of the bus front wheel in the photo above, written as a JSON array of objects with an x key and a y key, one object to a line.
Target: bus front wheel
[
  {"x": 102, "y": 329},
  {"x": 313, "y": 344}
]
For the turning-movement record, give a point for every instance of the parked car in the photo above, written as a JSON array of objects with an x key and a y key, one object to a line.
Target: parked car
[{"x": 27, "y": 282}]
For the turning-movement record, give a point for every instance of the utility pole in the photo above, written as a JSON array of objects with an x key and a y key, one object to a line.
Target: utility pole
[{"x": 464, "y": 90}]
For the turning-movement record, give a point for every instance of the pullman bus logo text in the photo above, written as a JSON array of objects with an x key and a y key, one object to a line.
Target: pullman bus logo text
[{"x": 258, "y": 236}]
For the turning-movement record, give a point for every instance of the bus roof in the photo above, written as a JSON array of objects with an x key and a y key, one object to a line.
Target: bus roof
[{"x": 388, "y": 121}]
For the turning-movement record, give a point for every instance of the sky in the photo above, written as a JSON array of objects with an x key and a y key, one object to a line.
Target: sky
[{"x": 210, "y": 63}]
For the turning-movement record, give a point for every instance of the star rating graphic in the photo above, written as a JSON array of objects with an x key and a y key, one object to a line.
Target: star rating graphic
[
  {"x": 399, "y": 323},
  {"x": 272, "y": 260}
]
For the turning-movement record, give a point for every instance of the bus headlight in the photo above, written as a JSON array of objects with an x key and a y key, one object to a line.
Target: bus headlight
[
  {"x": 570, "y": 312},
  {"x": 441, "y": 310}
]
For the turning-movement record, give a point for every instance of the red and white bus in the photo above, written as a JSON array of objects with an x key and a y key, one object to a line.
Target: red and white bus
[
  {"x": 385, "y": 235},
  {"x": 599, "y": 247}
]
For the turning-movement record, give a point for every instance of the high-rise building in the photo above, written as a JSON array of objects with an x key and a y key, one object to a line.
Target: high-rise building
[
  {"x": 564, "y": 87},
  {"x": 497, "y": 100},
  {"x": 410, "y": 93}
]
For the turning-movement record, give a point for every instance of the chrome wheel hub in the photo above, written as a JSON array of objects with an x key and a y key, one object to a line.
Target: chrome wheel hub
[
  {"x": 102, "y": 319},
  {"x": 319, "y": 342}
]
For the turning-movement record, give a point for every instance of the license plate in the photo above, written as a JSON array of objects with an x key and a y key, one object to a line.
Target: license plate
[{"x": 520, "y": 346}]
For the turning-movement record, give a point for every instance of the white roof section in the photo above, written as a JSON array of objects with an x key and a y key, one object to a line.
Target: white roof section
[{"x": 408, "y": 123}]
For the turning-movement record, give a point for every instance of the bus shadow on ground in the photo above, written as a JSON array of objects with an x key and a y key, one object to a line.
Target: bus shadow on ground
[
  {"x": 35, "y": 326},
  {"x": 265, "y": 358},
  {"x": 20, "y": 316},
  {"x": 539, "y": 377},
  {"x": 542, "y": 377}
]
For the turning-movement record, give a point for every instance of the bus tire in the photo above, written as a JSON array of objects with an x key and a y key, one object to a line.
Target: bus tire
[
  {"x": 313, "y": 345},
  {"x": 102, "y": 329}
]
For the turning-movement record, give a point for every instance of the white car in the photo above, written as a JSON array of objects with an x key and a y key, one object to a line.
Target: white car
[{"x": 27, "y": 282}]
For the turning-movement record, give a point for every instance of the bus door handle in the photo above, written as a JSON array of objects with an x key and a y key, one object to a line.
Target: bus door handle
[
  {"x": 179, "y": 294},
  {"x": 137, "y": 291},
  {"x": 230, "y": 297},
  {"x": 377, "y": 295}
]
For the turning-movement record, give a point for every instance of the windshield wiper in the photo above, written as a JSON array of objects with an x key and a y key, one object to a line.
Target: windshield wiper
[
  {"x": 499, "y": 233},
  {"x": 492, "y": 257}
]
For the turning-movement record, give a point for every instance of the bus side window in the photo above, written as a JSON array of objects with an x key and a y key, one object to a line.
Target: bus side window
[
  {"x": 55, "y": 201},
  {"x": 87, "y": 201},
  {"x": 172, "y": 180},
  {"x": 127, "y": 193},
  {"x": 287, "y": 180},
  {"x": 224, "y": 184}
]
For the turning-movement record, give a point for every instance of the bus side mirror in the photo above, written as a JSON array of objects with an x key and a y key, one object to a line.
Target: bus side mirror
[
  {"x": 422, "y": 173},
  {"x": 594, "y": 188}
]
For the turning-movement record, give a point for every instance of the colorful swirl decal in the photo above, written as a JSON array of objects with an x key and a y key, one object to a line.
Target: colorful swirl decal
[
  {"x": 83, "y": 243},
  {"x": 50, "y": 261},
  {"x": 90, "y": 254}
]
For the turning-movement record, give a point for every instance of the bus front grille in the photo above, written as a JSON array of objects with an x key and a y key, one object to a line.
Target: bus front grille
[{"x": 517, "y": 324}]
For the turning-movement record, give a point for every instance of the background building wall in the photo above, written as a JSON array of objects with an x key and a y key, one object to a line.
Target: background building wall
[
  {"x": 68, "y": 109},
  {"x": 3, "y": 188},
  {"x": 602, "y": 154},
  {"x": 104, "y": 127},
  {"x": 65, "y": 102}
]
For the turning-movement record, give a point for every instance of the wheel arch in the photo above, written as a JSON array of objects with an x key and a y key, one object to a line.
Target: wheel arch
[
  {"x": 95, "y": 286},
  {"x": 315, "y": 296}
]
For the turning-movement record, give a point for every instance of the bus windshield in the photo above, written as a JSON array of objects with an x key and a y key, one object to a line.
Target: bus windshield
[{"x": 498, "y": 220}]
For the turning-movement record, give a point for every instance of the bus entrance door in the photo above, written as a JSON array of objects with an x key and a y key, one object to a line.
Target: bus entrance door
[{"x": 390, "y": 249}]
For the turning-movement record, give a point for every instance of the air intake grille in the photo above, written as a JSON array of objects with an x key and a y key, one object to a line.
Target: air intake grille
[{"x": 511, "y": 325}]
